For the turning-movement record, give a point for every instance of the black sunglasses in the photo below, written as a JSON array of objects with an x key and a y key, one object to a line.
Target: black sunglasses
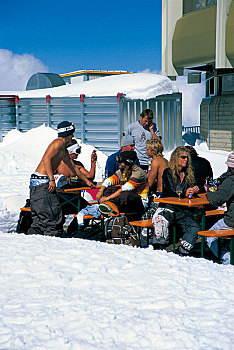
[{"x": 184, "y": 157}]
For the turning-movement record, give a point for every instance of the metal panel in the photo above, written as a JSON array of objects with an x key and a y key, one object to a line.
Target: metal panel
[
  {"x": 32, "y": 113},
  {"x": 99, "y": 121},
  {"x": 66, "y": 108},
  {"x": 7, "y": 115},
  {"x": 101, "y": 125}
]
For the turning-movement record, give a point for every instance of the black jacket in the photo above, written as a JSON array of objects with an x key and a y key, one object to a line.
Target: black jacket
[
  {"x": 202, "y": 169},
  {"x": 169, "y": 184},
  {"x": 225, "y": 194}
]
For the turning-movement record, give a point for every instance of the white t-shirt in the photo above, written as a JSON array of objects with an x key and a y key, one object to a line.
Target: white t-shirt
[{"x": 141, "y": 135}]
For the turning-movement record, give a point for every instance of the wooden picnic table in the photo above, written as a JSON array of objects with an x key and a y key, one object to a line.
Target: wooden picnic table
[
  {"x": 200, "y": 202},
  {"x": 76, "y": 191}
]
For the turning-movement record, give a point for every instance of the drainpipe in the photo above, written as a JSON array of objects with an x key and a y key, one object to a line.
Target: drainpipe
[{"x": 210, "y": 99}]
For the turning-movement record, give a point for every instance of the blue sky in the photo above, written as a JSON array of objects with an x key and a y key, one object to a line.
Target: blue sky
[{"x": 72, "y": 35}]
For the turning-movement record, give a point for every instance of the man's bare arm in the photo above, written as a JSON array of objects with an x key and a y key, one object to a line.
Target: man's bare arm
[{"x": 76, "y": 170}]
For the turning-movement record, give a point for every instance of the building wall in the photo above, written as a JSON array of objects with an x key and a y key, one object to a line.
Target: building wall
[{"x": 217, "y": 115}]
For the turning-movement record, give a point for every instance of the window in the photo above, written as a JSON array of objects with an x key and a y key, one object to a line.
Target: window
[
  {"x": 196, "y": 5},
  {"x": 228, "y": 83}
]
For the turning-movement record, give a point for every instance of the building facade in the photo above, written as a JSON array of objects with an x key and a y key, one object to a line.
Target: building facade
[
  {"x": 198, "y": 35},
  {"x": 85, "y": 75}
]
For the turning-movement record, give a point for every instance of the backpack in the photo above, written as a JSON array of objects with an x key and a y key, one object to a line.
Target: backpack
[
  {"x": 119, "y": 230},
  {"x": 93, "y": 233},
  {"x": 25, "y": 219}
]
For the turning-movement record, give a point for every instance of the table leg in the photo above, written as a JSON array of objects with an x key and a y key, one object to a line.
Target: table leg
[
  {"x": 147, "y": 236},
  {"x": 174, "y": 238},
  {"x": 78, "y": 208},
  {"x": 202, "y": 246},
  {"x": 203, "y": 220},
  {"x": 219, "y": 249},
  {"x": 232, "y": 251}
]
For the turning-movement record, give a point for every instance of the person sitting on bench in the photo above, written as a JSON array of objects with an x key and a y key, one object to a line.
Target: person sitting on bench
[
  {"x": 154, "y": 150},
  {"x": 178, "y": 180},
  {"x": 66, "y": 178},
  {"x": 132, "y": 196},
  {"x": 127, "y": 144},
  {"x": 225, "y": 193},
  {"x": 64, "y": 175}
]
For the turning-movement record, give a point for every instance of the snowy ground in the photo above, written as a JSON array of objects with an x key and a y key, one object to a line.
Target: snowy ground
[{"x": 76, "y": 294}]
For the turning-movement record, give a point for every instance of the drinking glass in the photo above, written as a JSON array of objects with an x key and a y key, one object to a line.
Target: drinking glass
[{"x": 178, "y": 190}]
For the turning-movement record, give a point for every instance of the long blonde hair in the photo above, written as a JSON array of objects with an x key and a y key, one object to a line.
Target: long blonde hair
[{"x": 173, "y": 164}]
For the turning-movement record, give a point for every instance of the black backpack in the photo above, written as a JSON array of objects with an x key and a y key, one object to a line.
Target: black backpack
[
  {"x": 93, "y": 233},
  {"x": 25, "y": 219}
]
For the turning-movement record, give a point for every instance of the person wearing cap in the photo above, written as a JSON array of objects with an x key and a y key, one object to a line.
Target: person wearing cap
[
  {"x": 127, "y": 144},
  {"x": 47, "y": 218},
  {"x": 225, "y": 194},
  {"x": 141, "y": 131},
  {"x": 132, "y": 196}
]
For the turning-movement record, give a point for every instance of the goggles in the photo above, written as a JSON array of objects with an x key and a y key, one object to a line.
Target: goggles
[
  {"x": 121, "y": 159},
  {"x": 74, "y": 149}
]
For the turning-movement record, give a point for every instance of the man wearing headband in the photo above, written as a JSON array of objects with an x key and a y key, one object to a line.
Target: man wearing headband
[{"x": 45, "y": 207}]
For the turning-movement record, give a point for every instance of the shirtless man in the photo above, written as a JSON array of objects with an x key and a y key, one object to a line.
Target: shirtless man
[
  {"x": 154, "y": 150},
  {"x": 45, "y": 207}
]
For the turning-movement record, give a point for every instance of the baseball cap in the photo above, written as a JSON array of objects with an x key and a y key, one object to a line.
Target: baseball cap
[{"x": 127, "y": 140}]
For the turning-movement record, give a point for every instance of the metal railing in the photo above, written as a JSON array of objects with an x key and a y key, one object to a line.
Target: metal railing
[{"x": 191, "y": 128}]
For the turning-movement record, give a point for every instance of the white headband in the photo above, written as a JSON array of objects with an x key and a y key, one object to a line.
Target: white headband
[{"x": 67, "y": 128}]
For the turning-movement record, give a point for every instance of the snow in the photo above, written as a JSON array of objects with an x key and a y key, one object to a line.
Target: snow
[
  {"x": 134, "y": 86},
  {"x": 82, "y": 295}
]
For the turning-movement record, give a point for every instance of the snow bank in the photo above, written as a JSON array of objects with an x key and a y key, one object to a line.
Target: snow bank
[
  {"x": 72, "y": 294},
  {"x": 135, "y": 86}
]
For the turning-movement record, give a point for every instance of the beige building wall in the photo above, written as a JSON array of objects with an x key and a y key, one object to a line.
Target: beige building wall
[{"x": 217, "y": 122}]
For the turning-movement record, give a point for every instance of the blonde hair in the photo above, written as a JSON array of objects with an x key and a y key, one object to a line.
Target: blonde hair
[
  {"x": 173, "y": 164},
  {"x": 155, "y": 146}
]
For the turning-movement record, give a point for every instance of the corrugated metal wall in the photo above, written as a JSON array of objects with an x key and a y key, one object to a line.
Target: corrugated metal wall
[
  {"x": 7, "y": 115},
  {"x": 99, "y": 121}
]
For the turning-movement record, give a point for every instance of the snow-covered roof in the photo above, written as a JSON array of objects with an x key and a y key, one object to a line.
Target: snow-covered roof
[{"x": 134, "y": 86}]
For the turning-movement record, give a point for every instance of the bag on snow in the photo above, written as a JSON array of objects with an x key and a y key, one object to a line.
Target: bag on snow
[{"x": 25, "y": 219}]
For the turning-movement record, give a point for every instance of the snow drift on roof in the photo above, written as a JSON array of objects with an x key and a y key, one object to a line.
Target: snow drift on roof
[{"x": 134, "y": 86}]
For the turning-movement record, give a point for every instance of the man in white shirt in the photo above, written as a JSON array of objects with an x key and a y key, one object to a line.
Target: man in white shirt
[{"x": 142, "y": 131}]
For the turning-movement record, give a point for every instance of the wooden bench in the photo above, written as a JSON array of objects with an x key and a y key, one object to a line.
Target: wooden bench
[
  {"x": 148, "y": 224},
  {"x": 219, "y": 234},
  {"x": 143, "y": 223},
  {"x": 25, "y": 209},
  {"x": 214, "y": 212}
]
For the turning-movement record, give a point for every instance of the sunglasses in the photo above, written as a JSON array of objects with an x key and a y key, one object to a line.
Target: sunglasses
[{"x": 184, "y": 157}]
